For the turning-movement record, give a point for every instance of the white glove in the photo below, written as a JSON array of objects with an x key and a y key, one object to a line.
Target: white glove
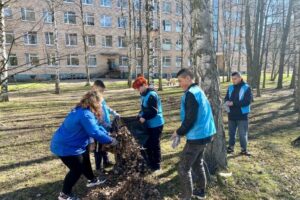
[
  {"x": 175, "y": 140},
  {"x": 114, "y": 142}
]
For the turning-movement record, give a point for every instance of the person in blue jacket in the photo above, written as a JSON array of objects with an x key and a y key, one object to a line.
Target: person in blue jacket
[
  {"x": 151, "y": 115},
  {"x": 198, "y": 126},
  {"x": 238, "y": 100},
  {"x": 100, "y": 155},
  {"x": 71, "y": 140}
]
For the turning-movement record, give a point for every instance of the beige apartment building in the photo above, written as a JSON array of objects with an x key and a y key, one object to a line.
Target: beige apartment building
[{"x": 31, "y": 45}]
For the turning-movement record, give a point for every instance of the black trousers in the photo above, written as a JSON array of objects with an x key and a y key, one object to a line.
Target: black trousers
[
  {"x": 100, "y": 155},
  {"x": 78, "y": 165},
  {"x": 153, "y": 151}
]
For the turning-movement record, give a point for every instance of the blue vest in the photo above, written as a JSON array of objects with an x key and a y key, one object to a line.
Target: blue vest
[
  {"x": 204, "y": 125},
  {"x": 244, "y": 88},
  {"x": 106, "y": 113},
  {"x": 158, "y": 120}
]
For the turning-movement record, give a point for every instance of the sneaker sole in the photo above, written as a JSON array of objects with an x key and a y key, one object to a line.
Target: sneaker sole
[{"x": 100, "y": 182}]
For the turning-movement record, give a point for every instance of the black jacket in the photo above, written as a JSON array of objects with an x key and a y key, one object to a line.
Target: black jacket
[
  {"x": 191, "y": 113},
  {"x": 235, "y": 110},
  {"x": 151, "y": 111}
]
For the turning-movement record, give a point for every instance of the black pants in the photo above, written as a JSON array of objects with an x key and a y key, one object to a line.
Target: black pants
[
  {"x": 153, "y": 152},
  {"x": 100, "y": 155},
  {"x": 78, "y": 165}
]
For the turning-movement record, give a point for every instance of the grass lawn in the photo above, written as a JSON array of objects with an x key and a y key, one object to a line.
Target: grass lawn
[{"x": 30, "y": 171}]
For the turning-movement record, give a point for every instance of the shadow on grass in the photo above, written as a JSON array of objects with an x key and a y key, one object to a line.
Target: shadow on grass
[{"x": 27, "y": 163}]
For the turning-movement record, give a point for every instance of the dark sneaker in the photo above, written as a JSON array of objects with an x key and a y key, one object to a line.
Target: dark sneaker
[
  {"x": 230, "y": 150},
  {"x": 63, "y": 196},
  {"x": 108, "y": 164},
  {"x": 95, "y": 182},
  {"x": 199, "y": 194},
  {"x": 245, "y": 153}
]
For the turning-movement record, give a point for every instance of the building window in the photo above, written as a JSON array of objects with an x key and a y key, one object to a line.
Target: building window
[
  {"x": 139, "y": 43},
  {"x": 122, "y": 22},
  {"x": 92, "y": 61},
  {"x": 105, "y": 3},
  {"x": 48, "y": 17},
  {"x": 178, "y": 61},
  {"x": 122, "y": 4},
  {"x": 167, "y": 44},
  {"x": 107, "y": 41},
  {"x": 72, "y": 60},
  {"x": 12, "y": 60},
  {"x": 32, "y": 59},
  {"x": 105, "y": 21},
  {"x": 27, "y": 14},
  {"x": 69, "y": 1},
  {"x": 49, "y": 37},
  {"x": 52, "y": 59},
  {"x": 123, "y": 62},
  {"x": 178, "y": 26},
  {"x": 9, "y": 37},
  {"x": 30, "y": 38},
  {"x": 89, "y": 19},
  {"x": 178, "y": 44},
  {"x": 122, "y": 42},
  {"x": 71, "y": 39},
  {"x": 139, "y": 61},
  {"x": 87, "y": 2},
  {"x": 167, "y": 7},
  {"x": 178, "y": 9},
  {"x": 137, "y": 24},
  {"x": 70, "y": 18},
  {"x": 137, "y": 5},
  {"x": 166, "y": 61},
  {"x": 167, "y": 25},
  {"x": 7, "y": 13},
  {"x": 90, "y": 40}
]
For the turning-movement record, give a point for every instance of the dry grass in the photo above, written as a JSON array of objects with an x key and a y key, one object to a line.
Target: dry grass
[{"x": 29, "y": 171}]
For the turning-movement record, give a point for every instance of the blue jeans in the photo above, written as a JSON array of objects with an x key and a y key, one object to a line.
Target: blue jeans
[{"x": 240, "y": 126}]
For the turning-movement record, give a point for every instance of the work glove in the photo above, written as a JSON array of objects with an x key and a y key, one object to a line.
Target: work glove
[
  {"x": 175, "y": 140},
  {"x": 114, "y": 142}
]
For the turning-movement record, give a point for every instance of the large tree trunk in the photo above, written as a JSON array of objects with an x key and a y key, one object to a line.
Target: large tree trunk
[
  {"x": 284, "y": 38},
  {"x": 207, "y": 71},
  {"x": 297, "y": 69}
]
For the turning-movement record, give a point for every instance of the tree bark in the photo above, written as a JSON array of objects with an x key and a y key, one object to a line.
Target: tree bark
[
  {"x": 208, "y": 76},
  {"x": 283, "y": 45}
]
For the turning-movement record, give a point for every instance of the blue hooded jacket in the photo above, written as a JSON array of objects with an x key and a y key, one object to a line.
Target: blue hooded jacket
[{"x": 72, "y": 137}]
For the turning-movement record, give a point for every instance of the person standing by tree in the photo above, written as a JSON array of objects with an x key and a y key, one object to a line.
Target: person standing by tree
[
  {"x": 199, "y": 127},
  {"x": 70, "y": 142},
  {"x": 151, "y": 115},
  {"x": 238, "y": 99}
]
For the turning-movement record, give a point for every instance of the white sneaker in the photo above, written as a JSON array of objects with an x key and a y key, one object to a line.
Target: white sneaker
[
  {"x": 95, "y": 182},
  {"x": 63, "y": 196}
]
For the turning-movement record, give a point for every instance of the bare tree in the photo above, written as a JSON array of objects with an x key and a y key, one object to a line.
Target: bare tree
[
  {"x": 284, "y": 38},
  {"x": 208, "y": 76}
]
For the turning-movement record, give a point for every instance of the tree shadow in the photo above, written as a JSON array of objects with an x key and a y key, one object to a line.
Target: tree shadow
[{"x": 27, "y": 163}]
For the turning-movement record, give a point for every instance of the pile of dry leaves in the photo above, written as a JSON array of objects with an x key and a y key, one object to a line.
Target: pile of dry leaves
[{"x": 128, "y": 178}]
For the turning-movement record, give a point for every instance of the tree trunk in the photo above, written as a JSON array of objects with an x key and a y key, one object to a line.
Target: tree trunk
[
  {"x": 129, "y": 43},
  {"x": 297, "y": 68},
  {"x": 141, "y": 38},
  {"x": 3, "y": 64},
  {"x": 284, "y": 44},
  {"x": 248, "y": 41},
  {"x": 240, "y": 37},
  {"x": 159, "y": 54},
  {"x": 208, "y": 76}
]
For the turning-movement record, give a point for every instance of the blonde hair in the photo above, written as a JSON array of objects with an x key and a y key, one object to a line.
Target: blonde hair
[{"x": 91, "y": 100}]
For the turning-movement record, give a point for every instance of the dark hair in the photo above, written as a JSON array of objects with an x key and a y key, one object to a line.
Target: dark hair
[
  {"x": 238, "y": 74},
  {"x": 185, "y": 72},
  {"x": 99, "y": 83}
]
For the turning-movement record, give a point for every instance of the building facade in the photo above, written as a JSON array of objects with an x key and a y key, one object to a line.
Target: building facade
[{"x": 34, "y": 50}]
